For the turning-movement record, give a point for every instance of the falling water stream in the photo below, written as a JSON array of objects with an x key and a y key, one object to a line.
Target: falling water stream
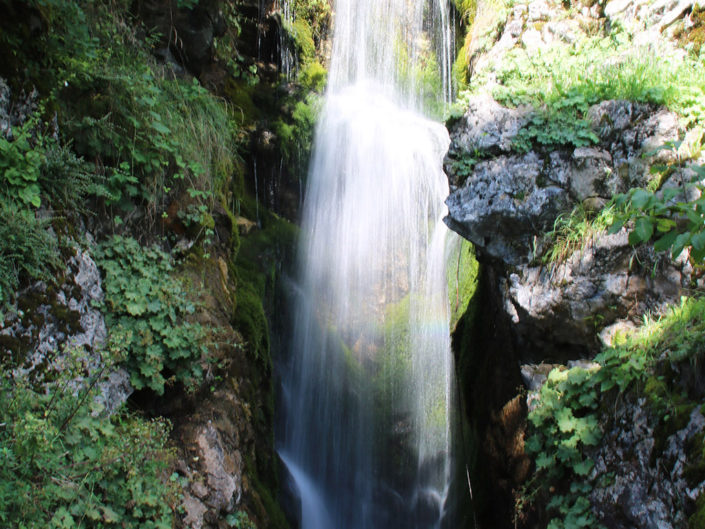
[{"x": 366, "y": 406}]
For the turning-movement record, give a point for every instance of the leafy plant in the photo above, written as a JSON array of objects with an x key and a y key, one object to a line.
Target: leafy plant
[
  {"x": 66, "y": 464},
  {"x": 20, "y": 164},
  {"x": 147, "y": 311},
  {"x": 240, "y": 520},
  {"x": 575, "y": 231},
  {"x": 660, "y": 216},
  {"x": 555, "y": 125},
  {"x": 28, "y": 251}
]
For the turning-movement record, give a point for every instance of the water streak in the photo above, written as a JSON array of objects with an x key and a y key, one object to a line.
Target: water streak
[{"x": 368, "y": 382}]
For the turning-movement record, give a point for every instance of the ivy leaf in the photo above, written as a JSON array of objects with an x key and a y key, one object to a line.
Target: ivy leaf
[
  {"x": 136, "y": 308},
  {"x": 640, "y": 198},
  {"x": 665, "y": 242},
  {"x": 565, "y": 420},
  {"x": 643, "y": 230},
  {"x": 698, "y": 240},
  {"x": 584, "y": 467}
]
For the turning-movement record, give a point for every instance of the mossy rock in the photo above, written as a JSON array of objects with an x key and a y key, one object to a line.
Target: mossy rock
[
  {"x": 249, "y": 318},
  {"x": 697, "y": 519}
]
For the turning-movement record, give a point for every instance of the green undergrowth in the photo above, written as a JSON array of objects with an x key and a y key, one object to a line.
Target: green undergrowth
[
  {"x": 36, "y": 170},
  {"x": 131, "y": 142},
  {"x": 575, "y": 405},
  {"x": 667, "y": 217},
  {"x": 66, "y": 464},
  {"x": 27, "y": 251},
  {"x": 147, "y": 136},
  {"x": 147, "y": 309},
  {"x": 154, "y": 137},
  {"x": 574, "y": 232},
  {"x": 562, "y": 81},
  {"x": 296, "y": 122}
]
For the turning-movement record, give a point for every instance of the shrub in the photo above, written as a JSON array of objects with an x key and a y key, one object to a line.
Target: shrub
[
  {"x": 64, "y": 464},
  {"x": 28, "y": 251},
  {"x": 147, "y": 310}
]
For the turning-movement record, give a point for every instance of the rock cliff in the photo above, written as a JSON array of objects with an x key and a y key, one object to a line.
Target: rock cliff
[{"x": 531, "y": 185}]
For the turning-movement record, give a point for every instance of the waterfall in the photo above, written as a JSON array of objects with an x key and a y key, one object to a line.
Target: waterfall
[{"x": 367, "y": 384}]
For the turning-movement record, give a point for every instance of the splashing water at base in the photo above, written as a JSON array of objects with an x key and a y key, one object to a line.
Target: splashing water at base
[{"x": 366, "y": 433}]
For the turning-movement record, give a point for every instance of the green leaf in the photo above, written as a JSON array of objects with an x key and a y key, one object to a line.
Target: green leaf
[
  {"x": 160, "y": 127},
  {"x": 587, "y": 399},
  {"x": 30, "y": 195},
  {"x": 544, "y": 460},
  {"x": 584, "y": 467},
  {"x": 109, "y": 515},
  {"x": 565, "y": 420},
  {"x": 643, "y": 229},
  {"x": 136, "y": 308},
  {"x": 533, "y": 444},
  {"x": 640, "y": 198},
  {"x": 665, "y": 242},
  {"x": 680, "y": 243},
  {"x": 698, "y": 240}
]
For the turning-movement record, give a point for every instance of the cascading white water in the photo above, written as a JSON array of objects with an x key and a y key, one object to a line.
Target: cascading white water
[{"x": 366, "y": 433}]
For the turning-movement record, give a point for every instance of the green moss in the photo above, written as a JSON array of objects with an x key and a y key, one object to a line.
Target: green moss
[
  {"x": 463, "y": 275},
  {"x": 302, "y": 35},
  {"x": 460, "y": 68},
  {"x": 697, "y": 519},
  {"x": 256, "y": 269},
  {"x": 694, "y": 35},
  {"x": 271, "y": 510},
  {"x": 313, "y": 77},
  {"x": 249, "y": 318}
]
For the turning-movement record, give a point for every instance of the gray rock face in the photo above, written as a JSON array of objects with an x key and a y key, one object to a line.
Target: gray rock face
[
  {"x": 50, "y": 323},
  {"x": 501, "y": 206},
  {"x": 487, "y": 126},
  {"x": 558, "y": 310},
  {"x": 508, "y": 201},
  {"x": 649, "y": 488}
]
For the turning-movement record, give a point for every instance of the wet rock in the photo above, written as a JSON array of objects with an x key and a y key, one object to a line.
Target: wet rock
[
  {"x": 507, "y": 202},
  {"x": 187, "y": 33},
  {"x": 501, "y": 206},
  {"x": 648, "y": 489},
  {"x": 487, "y": 126},
  {"x": 212, "y": 441},
  {"x": 592, "y": 175},
  {"x": 538, "y": 10}
]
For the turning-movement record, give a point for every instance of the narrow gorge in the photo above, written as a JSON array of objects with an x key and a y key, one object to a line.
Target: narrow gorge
[{"x": 346, "y": 264}]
